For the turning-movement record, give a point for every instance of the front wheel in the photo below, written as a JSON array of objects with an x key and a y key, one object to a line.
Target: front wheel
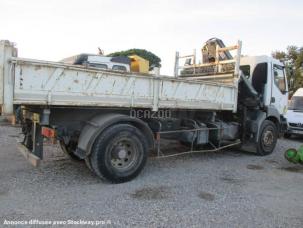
[
  {"x": 267, "y": 139},
  {"x": 119, "y": 153}
]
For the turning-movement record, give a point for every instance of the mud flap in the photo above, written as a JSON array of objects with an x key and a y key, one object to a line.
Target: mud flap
[
  {"x": 32, "y": 147},
  {"x": 32, "y": 159}
]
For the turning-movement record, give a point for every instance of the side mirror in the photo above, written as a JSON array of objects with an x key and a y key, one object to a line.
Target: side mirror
[{"x": 275, "y": 73}]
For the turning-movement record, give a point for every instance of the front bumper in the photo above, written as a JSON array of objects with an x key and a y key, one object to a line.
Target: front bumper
[{"x": 295, "y": 130}]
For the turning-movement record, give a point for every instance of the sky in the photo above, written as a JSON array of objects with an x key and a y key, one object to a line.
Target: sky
[{"x": 55, "y": 29}]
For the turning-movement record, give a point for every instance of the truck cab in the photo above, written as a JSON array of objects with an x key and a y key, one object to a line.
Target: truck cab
[
  {"x": 267, "y": 76},
  {"x": 266, "y": 80}
]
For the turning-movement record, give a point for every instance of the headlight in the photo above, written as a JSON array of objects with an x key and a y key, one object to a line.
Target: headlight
[{"x": 285, "y": 110}]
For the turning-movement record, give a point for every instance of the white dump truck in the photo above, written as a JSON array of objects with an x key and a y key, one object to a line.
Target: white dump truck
[{"x": 112, "y": 119}]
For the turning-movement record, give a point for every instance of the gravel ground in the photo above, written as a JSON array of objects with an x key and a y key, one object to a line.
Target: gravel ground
[{"x": 225, "y": 189}]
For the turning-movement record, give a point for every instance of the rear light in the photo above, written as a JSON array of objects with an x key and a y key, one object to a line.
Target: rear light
[{"x": 48, "y": 132}]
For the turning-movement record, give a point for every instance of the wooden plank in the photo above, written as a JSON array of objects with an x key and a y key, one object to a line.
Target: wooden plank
[
  {"x": 33, "y": 159},
  {"x": 228, "y": 48}
]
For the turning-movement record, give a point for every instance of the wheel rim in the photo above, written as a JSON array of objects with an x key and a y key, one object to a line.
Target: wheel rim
[
  {"x": 268, "y": 138},
  {"x": 124, "y": 154}
]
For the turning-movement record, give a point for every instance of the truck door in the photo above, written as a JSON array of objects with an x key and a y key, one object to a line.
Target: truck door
[
  {"x": 279, "y": 97},
  {"x": 259, "y": 81}
]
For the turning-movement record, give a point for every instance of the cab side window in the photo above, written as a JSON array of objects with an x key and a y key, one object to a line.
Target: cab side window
[
  {"x": 98, "y": 65},
  {"x": 279, "y": 78},
  {"x": 245, "y": 70}
]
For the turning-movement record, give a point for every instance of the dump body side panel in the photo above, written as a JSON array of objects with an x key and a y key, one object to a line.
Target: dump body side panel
[{"x": 50, "y": 83}]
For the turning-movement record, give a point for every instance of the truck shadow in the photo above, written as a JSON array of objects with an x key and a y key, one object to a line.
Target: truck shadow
[
  {"x": 71, "y": 172},
  {"x": 293, "y": 169},
  {"x": 64, "y": 172}
]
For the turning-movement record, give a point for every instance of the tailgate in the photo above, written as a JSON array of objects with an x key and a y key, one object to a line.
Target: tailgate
[{"x": 7, "y": 50}]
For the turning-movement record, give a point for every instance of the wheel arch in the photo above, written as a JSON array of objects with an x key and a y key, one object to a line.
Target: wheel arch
[
  {"x": 256, "y": 124},
  {"x": 99, "y": 123},
  {"x": 275, "y": 120}
]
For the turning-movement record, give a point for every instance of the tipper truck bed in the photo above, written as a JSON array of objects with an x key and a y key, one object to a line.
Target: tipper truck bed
[
  {"x": 107, "y": 118},
  {"x": 51, "y": 83}
]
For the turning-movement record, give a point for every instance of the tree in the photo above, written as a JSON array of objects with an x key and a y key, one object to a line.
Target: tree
[
  {"x": 154, "y": 61},
  {"x": 293, "y": 60},
  {"x": 281, "y": 55}
]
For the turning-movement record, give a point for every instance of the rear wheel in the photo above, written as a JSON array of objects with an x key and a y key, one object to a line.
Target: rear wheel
[
  {"x": 119, "y": 153},
  {"x": 267, "y": 139}
]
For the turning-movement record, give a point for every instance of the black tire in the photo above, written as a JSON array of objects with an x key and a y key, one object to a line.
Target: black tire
[
  {"x": 69, "y": 150},
  {"x": 119, "y": 153},
  {"x": 287, "y": 135},
  {"x": 267, "y": 139}
]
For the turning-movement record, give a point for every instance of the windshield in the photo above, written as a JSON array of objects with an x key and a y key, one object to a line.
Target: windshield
[{"x": 296, "y": 103}]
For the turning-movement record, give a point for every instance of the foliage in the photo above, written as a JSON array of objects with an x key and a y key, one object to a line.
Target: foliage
[
  {"x": 293, "y": 60},
  {"x": 154, "y": 61}
]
